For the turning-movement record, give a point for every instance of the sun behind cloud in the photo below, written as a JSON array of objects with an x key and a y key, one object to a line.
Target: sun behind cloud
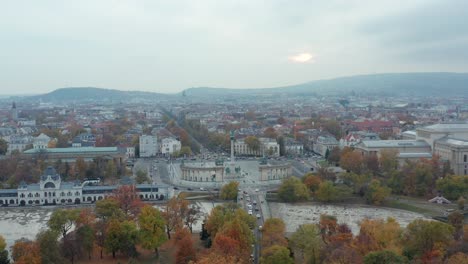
[{"x": 302, "y": 57}]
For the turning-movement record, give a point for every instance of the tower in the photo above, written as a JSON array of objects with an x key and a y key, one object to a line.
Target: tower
[
  {"x": 14, "y": 112},
  {"x": 232, "y": 147}
]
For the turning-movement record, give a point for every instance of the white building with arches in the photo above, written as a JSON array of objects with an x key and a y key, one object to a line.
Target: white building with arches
[{"x": 51, "y": 190}]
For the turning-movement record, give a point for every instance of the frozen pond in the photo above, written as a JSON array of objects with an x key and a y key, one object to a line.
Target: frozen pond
[
  {"x": 295, "y": 215},
  {"x": 16, "y": 223}
]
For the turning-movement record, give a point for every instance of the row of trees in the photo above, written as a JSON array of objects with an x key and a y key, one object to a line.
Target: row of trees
[
  {"x": 381, "y": 241},
  {"x": 227, "y": 233},
  {"x": 117, "y": 225},
  {"x": 420, "y": 178},
  {"x": 16, "y": 169},
  {"x": 274, "y": 243}
]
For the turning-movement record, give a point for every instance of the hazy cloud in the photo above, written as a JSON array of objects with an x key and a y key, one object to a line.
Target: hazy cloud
[{"x": 302, "y": 57}]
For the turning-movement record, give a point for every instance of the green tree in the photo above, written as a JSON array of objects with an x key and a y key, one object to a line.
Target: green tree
[
  {"x": 185, "y": 151},
  {"x": 454, "y": 186},
  {"x": 327, "y": 192},
  {"x": 141, "y": 177},
  {"x": 81, "y": 167},
  {"x": 308, "y": 241},
  {"x": 229, "y": 191},
  {"x": 293, "y": 190},
  {"x": 49, "y": 247},
  {"x": 3, "y": 252},
  {"x": 357, "y": 181},
  {"x": 388, "y": 161},
  {"x": 334, "y": 128},
  {"x": 109, "y": 208},
  {"x": 152, "y": 228},
  {"x": 252, "y": 142},
  {"x": 421, "y": 237},
  {"x": 376, "y": 193},
  {"x": 334, "y": 155},
  {"x": 276, "y": 255},
  {"x": 85, "y": 234},
  {"x": 111, "y": 170},
  {"x": 121, "y": 236},
  {"x": 3, "y": 146},
  {"x": 62, "y": 220},
  {"x": 384, "y": 257}
]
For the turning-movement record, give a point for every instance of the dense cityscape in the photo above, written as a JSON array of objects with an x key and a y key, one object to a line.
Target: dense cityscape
[{"x": 287, "y": 168}]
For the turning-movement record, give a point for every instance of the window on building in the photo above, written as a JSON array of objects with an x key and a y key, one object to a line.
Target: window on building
[{"x": 465, "y": 157}]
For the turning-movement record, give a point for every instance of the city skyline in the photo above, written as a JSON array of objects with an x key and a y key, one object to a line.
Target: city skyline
[{"x": 169, "y": 47}]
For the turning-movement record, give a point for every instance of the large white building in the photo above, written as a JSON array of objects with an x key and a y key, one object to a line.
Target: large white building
[
  {"x": 324, "y": 143},
  {"x": 170, "y": 145},
  {"x": 148, "y": 146},
  {"x": 449, "y": 141},
  {"x": 41, "y": 141},
  {"x": 52, "y": 190},
  {"x": 268, "y": 147}
]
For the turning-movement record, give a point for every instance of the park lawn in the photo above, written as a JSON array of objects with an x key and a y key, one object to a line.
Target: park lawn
[{"x": 409, "y": 207}]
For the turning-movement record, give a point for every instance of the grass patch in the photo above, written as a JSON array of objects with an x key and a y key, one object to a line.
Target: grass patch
[{"x": 408, "y": 207}]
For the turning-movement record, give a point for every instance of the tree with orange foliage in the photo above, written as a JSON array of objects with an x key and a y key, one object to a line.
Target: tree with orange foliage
[
  {"x": 174, "y": 214},
  {"x": 128, "y": 199},
  {"x": 26, "y": 252},
  {"x": 312, "y": 182},
  {"x": 458, "y": 258},
  {"x": 270, "y": 133},
  {"x": 352, "y": 161},
  {"x": 86, "y": 216},
  {"x": 226, "y": 245},
  {"x": 273, "y": 233},
  {"x": 214, "y": 257},
  {"x": 343, "y": 254},
  {"x": 185, "y": 252},
  {"x": 379, "y": 235}
]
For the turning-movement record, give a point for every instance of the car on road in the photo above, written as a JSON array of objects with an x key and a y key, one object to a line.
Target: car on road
[
  {"x": 202, "y": 189},
  {"x": 250, "y": 212},
  {"x": 258, "y": 216},
  {"x": 260, "y": 227},
  {"x": 257, "y": 190},
  {"x": 189, "y": 189},
  {"x": 176, "y": 188},
  {"x": 254, "y": 202},
  {"x": 257, "y": 209}
]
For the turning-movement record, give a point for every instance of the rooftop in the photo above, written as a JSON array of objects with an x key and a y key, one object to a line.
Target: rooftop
[
  {"x": 73, "y": 150},
  {"x": 394, "y": 143},
  {"x": 415, "y": 155},
  {"x": 454, "y": 142},
  {"x": 445, "y": 128}
]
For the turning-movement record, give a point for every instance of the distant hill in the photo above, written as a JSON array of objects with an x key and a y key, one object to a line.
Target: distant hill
[
  {"x": 401, "y": 84},
  {"x": 78, "y": 94},
  {"x": 419, "y": 84}
]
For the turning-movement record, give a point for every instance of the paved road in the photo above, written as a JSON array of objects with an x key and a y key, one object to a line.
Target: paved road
[{"x": 253, "y": 202}]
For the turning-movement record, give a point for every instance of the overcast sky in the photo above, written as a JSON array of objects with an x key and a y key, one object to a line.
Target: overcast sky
[{"x": 167, "y": 46}]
